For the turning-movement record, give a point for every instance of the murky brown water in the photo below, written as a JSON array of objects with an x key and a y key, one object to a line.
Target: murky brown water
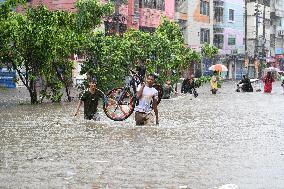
[{"x": 230, "y": 138}]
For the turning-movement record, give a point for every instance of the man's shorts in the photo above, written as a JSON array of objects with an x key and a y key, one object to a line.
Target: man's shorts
[{"x": 143, "y": 118}]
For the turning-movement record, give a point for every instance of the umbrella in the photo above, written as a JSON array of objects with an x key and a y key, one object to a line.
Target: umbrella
[
  {"x": 271, "y": 69},
  {"x": 218, "y": 67}
]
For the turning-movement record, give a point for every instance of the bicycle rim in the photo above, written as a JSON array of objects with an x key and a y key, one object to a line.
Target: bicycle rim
[
  {"x": 120, "y": 104},
  {"x": 159, "y": 88}
]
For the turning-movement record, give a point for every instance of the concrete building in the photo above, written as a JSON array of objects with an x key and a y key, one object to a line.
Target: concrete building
[
  {"x": 199, "y": 28},
  {"x": 195, "y": 18},
  {"x": 258, "y": 35},
  {"x": 140, "y": 14},
  {"x": 228, "y": 31},
  {"x": 196, "y": 21},
  {"x": 277, "y": 34}
]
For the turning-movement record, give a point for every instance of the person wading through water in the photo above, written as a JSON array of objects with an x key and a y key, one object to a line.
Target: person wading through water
[
  {"x": 148, "y": 101},
  {"x": 90, "y": 98}
]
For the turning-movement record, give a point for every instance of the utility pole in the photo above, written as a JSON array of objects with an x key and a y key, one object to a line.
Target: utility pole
[
  {"x": 263, "y": 33},
  {"x": 246, "y": 38},
  {"x": 246, "y": 26},
  {"x": 263, "y": 36},
  {"x": 256, "y": 32}
]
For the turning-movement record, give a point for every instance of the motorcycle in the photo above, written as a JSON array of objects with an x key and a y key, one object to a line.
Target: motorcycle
[{"x": 255, "y": 86}]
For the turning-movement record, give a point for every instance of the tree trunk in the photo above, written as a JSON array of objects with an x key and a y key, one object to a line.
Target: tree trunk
[
  {"x": 68, "y": 93},
  {"x": 43, "y": 91},
  {"x": 33, "y": 95},
  {"x": 116, "y": 12},
  {"x": 33, "y": 92},
  {"x": 65, "y": 83}
]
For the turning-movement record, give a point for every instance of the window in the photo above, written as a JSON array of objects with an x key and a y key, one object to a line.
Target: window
[
  {"x": 218, "y": 40},
  {"x": 204, "y": 7},
  {"x": 231, "y": 40},
  {"x": 231, "y": 15},
  {"x": 204, "y": 35},
  {"x": 152, "y": 4},
  {"x": 218, "y": 14}
]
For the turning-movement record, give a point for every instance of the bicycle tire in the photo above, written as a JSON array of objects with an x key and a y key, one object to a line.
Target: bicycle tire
[{"x": 126, "y": 100}]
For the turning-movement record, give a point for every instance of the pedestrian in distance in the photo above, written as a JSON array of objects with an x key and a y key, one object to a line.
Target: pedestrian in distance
[
  {"x": 268, "y": 80},
  {"x": 187, "y": 85},
  {"x": 90, "y": 99},
  {"x": 168, "y": 90},
  {"x": 214, "y": 82},
  {"x": 282, "y": 85},
  {"x": 141, "y": 69},
  {"x": 246, "y": 84},
  {"x": 148, "y": 101}
]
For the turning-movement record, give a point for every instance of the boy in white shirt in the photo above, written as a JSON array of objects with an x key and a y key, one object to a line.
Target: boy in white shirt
[{"x": 148, "y": 101}]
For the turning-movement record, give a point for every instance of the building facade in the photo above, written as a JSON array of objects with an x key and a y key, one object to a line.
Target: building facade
[
  {"x": 146, "y": 14},
  {"x": 228, "y": 31},
  {"x": 140, "y": 14},
  {"x": 196, "y": 21},
  {"x": 258, "y": 36},
  {"x": 277, "y": 34},
  {"x": 195, "y": 18}
]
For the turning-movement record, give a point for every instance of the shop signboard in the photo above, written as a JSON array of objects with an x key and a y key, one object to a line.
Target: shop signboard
[
  {"x": 7, "y": 79},
  {"x": 278, "y": 51},
  {"x": 206, "y": 64}
]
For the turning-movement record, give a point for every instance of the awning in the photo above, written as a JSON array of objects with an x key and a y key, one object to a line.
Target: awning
[
  {"x": 279, "y": 56},
  {"x": 270, "y": 59}
]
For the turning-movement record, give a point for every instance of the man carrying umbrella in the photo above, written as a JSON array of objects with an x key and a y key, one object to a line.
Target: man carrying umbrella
[
  {"x": 216, "y": 68},
  {"x": 214, "y": 82}
]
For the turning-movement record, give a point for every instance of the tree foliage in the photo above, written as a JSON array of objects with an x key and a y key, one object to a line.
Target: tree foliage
[
  {"x": 209, "y": 51},
  {"x": 38, "y": 43},
  {"x": 110, "y": 57},
  {"x": 171, "y": 54}
]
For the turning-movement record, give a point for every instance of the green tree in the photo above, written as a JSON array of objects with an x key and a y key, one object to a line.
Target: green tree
[
  {"x": 105, "y": 60},
  {"x": 209, "y": 51},
  {"x": 170, "y": 52},
  {"x": 38, "y": 44},
  {"x": 110, "y": 57}
]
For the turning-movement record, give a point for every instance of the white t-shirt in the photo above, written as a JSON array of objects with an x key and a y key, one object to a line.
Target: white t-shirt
[{"x": 146, "y": 99}]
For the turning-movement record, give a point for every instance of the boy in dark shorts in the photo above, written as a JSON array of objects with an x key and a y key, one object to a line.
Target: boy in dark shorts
[{"x": 90, "y": 98}]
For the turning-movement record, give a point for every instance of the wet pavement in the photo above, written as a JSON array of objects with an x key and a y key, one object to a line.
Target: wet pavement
[{"x": 213, "y": 140}]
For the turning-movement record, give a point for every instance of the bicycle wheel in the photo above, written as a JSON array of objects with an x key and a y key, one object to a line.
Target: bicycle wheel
[
  {"x": 159, "y": 88},
  {"x": 119, "y": 104}
]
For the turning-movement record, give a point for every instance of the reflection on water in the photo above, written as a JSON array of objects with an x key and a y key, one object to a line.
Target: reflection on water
[{"x": 229, "y": 139}]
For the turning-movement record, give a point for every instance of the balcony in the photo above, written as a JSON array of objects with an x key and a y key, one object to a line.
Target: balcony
[
  {"x": 218, "y": 3},
  {"x": 218, "y": 30},
  {"x": 181, "y": 16}
]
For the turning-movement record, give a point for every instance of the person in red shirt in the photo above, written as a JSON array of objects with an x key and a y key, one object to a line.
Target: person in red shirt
[{"x": 268, "y": 80}]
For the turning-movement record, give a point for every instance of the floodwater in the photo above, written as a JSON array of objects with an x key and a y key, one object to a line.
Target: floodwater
[{"x": 229, "y": 139}]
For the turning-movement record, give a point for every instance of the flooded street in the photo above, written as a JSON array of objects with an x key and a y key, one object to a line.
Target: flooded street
[{"x": 203, "y": 143}]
